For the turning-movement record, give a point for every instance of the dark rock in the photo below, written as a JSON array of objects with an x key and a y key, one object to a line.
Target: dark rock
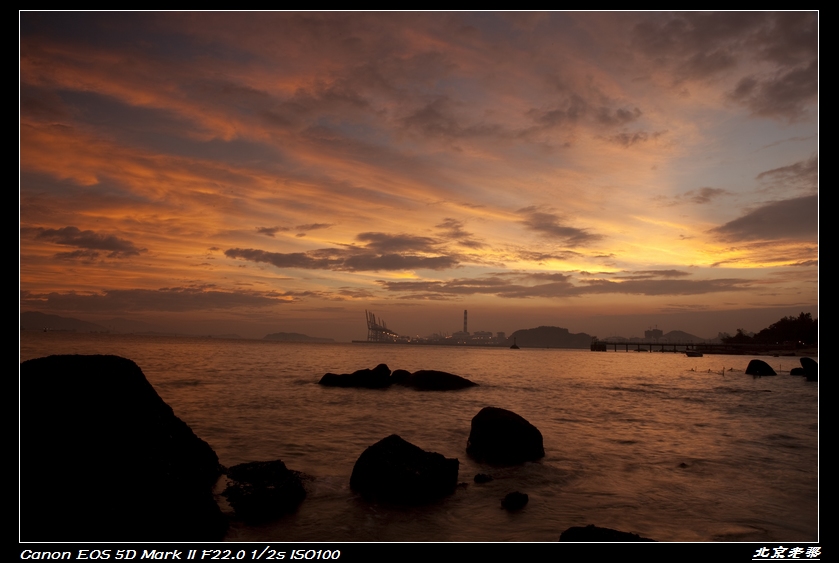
[
  {"x": 592, "y": 533},
  {"x": 376, "y": 378},
  {"x": 263, "y": 490},
  {"x": 514, "y": 501},
  {"x": 483, "y": 478},
  {"x": 433, "y": 380},
  {"x": 104, "y": 458},
  {"x": 797, "y": 371},
  {"x": 396, "y": 471},
  {"x": 400, "y": 376},
  {"x": 811, "y": 368},
  {"x": 502, "y": 437},
  {"x": 759, "y": 367}
]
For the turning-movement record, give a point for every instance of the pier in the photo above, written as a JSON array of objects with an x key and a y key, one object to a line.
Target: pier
[{"x": 780, "y": 348}]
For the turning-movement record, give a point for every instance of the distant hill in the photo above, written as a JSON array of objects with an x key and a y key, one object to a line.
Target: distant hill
[
  {"x": 128, "y": 326},
  {"x": 677, "y": 336},
  {"x": 34, "y": 320},
  {"x": 549, "y": 337},
  {"x": 295, "y": 337}
]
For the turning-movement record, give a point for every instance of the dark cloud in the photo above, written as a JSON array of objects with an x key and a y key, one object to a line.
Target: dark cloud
[
  {"x": 86, "y": 255},
  {"x": 551, "y": 226},
  {"x": 174, "y": 299},
  {"x": 616, "y": 117},
  {"x": 353, "y": 293},
  {"x": 381, "y": 253},
  {"x": 795, "y": 219},
  {"x": 705, "y": 45},
  {"x": 541, "y": 257},
  {"x": 648, "y": 274},
  {"x": 568, "y": 112},
  {"x": 803, "y": 175},
  {"x": 313, "y": 226},
  {"x": 785, "y": 94},
  {"x": 626, "y": 139},
  {"x": 374, "y": 262},
  {"x": 562, "y": 287},
  {"x": 270, "y": 231},
  {"x": 705, "y": 195},
  {"x": 683, "y": 308},
  {"x": 383, "y": 242},
  {"x": 702, "y": 65},
  {"x": 666, "y": 287},
  {"x": 439, "y": 118},
  {"x": 453, "y": 230},
  {"x": 89, "y": 240},
  {"x": 285, "y": 260}
]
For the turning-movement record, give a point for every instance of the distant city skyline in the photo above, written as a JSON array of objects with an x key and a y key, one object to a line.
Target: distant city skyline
[{"x": 268, "y": 172}]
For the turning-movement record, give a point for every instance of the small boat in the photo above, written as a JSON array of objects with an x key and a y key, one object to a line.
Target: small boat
[{"x": 693, "y": 354}]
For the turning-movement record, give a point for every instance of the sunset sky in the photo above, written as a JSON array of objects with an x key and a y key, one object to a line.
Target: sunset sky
[{"x": 263, "y": 172}]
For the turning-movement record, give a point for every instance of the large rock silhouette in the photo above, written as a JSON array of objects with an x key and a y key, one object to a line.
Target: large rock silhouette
[
  {"x": 104, "y": 458},
  {"x": 810, "y": 367},
  {"x": 502, "y": 437},
  {"x": 759, "y": 367},
  {"x": 396, "y": 471}
]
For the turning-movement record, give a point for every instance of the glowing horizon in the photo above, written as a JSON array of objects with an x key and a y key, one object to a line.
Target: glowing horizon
[{"x": 282, "y": 171}]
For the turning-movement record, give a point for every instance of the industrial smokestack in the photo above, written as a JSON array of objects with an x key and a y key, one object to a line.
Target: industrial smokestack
[{"x": 464, "y": 321}]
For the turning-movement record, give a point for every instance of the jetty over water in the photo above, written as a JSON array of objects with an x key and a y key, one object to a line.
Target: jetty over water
[{"x": 781, "y": 348}]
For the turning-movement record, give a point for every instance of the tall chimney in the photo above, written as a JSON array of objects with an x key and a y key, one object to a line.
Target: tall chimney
[{"x": 464, "y": 321}]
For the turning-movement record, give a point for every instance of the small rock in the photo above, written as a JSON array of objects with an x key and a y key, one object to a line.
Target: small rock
[
  {"x": 263, "y": 490},
  {"x": 502, "y": 437},
  {"x": 514, "y": 501}
]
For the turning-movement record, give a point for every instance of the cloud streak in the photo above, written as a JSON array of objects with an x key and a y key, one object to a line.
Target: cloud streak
[{"x": 90, "y": 241}]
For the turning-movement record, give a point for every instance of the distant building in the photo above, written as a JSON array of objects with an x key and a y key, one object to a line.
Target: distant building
[{"x": 653, "y": 334}]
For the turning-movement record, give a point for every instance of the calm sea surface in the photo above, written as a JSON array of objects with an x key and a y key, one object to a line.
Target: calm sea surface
[{"x": 658, "y": 444}]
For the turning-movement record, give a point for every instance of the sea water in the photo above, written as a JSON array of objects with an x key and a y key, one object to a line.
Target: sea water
[{"x": 669, "y": 447}]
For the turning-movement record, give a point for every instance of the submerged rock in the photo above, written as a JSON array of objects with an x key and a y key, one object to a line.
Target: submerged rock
[
  {"x": 433, "y": 380},
  {"x": 263, "y": 490},
  {"x": 376, "y": 378},
  {"x": 396, "y": 471},
  {"x": 381, "y": 377},
  {"x": 502, "y": 437},
  {"x": 759, "y": 367},
  {"x": 592, "y": 533},
  {"x": 104, "y": 458}
]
